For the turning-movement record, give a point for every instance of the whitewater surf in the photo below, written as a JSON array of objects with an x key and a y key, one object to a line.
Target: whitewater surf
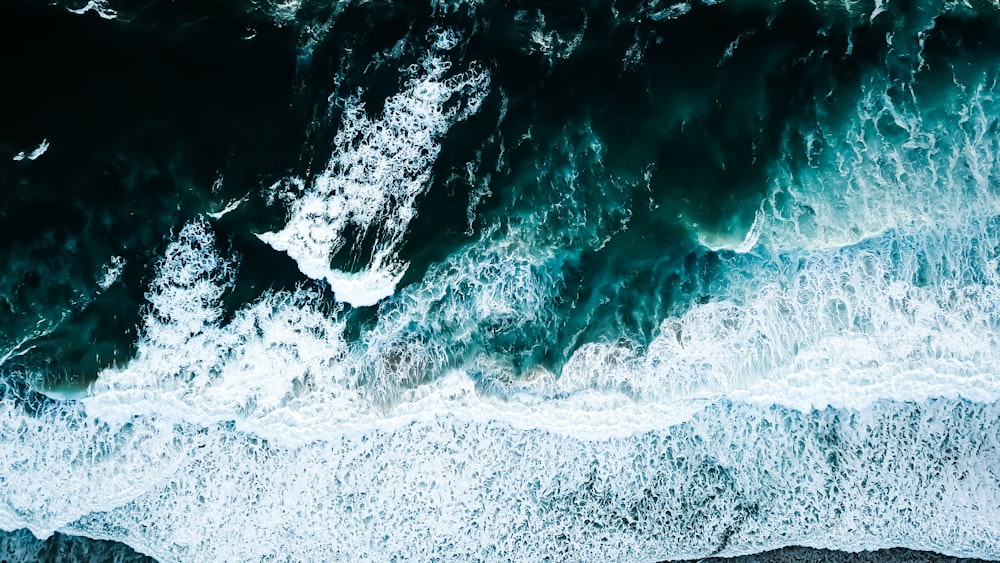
[{"x": 474, "y": 280}]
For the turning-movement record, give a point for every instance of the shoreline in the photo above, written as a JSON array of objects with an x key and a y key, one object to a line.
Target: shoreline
[{"x": 21, "y": 546}]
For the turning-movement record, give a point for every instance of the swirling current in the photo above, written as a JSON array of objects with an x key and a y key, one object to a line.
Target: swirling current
[{"x": 627, "y": 280}]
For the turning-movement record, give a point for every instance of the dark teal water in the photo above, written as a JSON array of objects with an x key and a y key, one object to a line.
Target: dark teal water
[
  {"x": 580, "y": 223},
  {"x": 173, "y": 110},
  {"x": 144, "y": 114}
]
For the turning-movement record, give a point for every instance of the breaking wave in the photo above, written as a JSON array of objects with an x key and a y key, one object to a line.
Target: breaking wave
[{"x": 571, "y": 361}]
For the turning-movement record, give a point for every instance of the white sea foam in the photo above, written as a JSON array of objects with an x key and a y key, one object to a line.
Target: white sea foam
[
  {"x": 672, "y": 12},
  {"x": 904, "y": 160},
  {"x": 871, "y": 267},
  {"x": 268, "y": 421},
  {"x": 264, "y": 359},
  {"x": 254, "y": 423},
  {"x": 733, "y": 479},
  {"x": 229, "y": 208},
  {"x": 865, "y": 413},
  {"x": 34, "y": 154},
  {"x": 629, "y": 452},
  {"x": 902, "y": 316},
  {"x": 378, "y": 170},
  {"x": 491, "y": 306},
  {"x": 99, "y": 7},
  {"x": 550, "y": 42},
  {"x": 111, "y": 272},
  {"x": 870, "y": 270}
]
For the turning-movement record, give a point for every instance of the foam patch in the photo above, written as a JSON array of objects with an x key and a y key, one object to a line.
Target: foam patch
[{"x": 378, "y": 170}]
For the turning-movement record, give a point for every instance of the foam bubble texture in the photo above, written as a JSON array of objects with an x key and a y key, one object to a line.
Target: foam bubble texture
[
  {"x": 484, "y": 309},
  {"x": 734, "y": 479},
  {"x": 158, "y": 455},
  {"x": 100, "y": 7},
  {"x": 378, "y": 170},
  {"x": 492, "y": 307},
  {"x": 872, "y": 270},
  {"x": 904, "y": 315},
  {"x": 264, "y": 362},
  {"x": 839, "y": 389},
  {"x": 914, "y": 155}
]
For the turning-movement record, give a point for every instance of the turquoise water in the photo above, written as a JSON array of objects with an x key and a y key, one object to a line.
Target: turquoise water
[{"x": 501, "y": 280}]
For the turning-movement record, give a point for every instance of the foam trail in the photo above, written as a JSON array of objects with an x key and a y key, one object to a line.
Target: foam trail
[
  {"x": 34, "y": 154},
  {"x": 655, "y": 455},
  {"x": 158, "y": 454},
  {"x": 377, "y": 172},
  {"x": 493, "y": 307},
  {"x": 100, "y": 7},
  {"x": 229, "y": 208},
  {"x": 260, "y": 363},
  {"x": 111, "y": 272}
]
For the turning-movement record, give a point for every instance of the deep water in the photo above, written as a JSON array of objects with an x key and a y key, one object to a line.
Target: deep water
[{"x": 471, "y": 279}]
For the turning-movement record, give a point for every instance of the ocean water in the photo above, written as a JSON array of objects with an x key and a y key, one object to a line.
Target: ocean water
[
  {"x": 480, "y": 280},
  {"x": 21, "y": 545}
]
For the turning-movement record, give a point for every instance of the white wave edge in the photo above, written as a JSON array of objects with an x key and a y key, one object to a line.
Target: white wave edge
[
  {"x": 161, "y": 483},
  {"x": 374, "y": 177},
  {"x": 824, "y": 329},
  {"x": 893, "y": 165}
]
